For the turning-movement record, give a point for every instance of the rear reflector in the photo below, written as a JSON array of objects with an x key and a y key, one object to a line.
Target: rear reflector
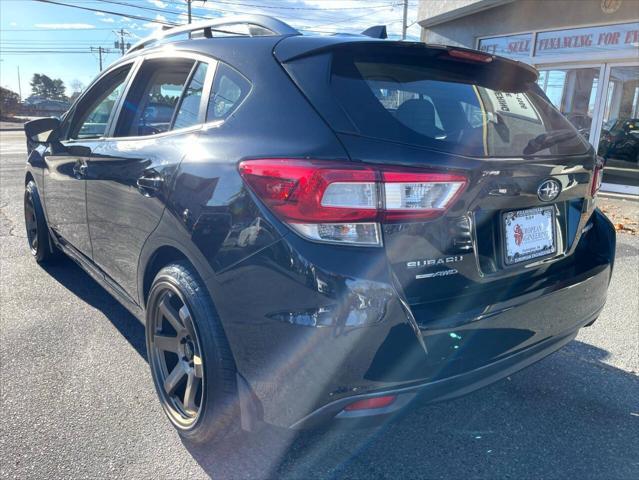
[
  {"x": 370, "y": 403},
  {"x": 342, "y": 202}
]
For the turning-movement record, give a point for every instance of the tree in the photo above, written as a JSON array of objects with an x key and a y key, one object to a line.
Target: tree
[
  {"x": 46, "y": 87},
  {"x": 58, "y": 90},
  {"x": 9, "y": 102},
  {"x": 77, "y": 87}
]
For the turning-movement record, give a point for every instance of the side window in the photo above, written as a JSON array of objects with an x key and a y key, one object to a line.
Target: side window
[
  {"x": 153, "y": 98},
  {"x": 93, "y": 112},
  {"x": 189, "y": 112},
  {"x": 229, "y": 89}
]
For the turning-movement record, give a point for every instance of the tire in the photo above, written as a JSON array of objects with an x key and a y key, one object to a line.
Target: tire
[
  {"x": 191, "y": 362},
  {"x": 38, "y": 237}
]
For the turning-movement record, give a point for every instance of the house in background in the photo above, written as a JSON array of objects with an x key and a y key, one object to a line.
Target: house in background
[
  {"x": 35, "y": 106},
  {"x": 587, "y": 53}
]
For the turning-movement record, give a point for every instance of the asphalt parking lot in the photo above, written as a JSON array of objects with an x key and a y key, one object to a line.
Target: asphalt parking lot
[{"x": 77, "y": 399}]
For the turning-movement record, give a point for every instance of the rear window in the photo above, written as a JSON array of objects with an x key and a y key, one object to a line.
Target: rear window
[{"x": 451, "y": 106}]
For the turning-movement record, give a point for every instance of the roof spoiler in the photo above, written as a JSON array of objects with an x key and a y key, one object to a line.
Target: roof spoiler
[{"x": 377, "y": 31}]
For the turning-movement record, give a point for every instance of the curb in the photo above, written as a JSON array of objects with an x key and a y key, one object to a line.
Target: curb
[{"x": 618, "y": 196}]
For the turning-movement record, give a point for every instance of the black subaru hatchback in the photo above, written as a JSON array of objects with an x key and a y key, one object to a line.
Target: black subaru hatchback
[{"x": 317, "y": 228}]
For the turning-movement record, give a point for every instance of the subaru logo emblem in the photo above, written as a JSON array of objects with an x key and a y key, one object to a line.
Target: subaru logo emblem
[{"x": 548, "y": 190}]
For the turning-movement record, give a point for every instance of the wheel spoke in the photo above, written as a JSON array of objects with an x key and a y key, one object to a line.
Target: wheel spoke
[
  {"x": 192, "y": 384},
  {"x": 166, "y": 343},
  {"x": 197, "y": 366},
  {"x": 173, "y": 379},
  {"x": 170, "y": 314},
  {"x": 185, "y": 317}
]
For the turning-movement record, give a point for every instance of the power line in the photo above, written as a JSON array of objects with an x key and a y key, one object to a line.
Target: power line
[
  {"x": 145, "y": 7},
  {"x": 47, "y": 42},
  {"x": 205, "y": 17},
  {"x": 277, "y": 7},
  {"x": 110, "y": 12},
  {"x": 53, "y": 29},
  {"x": 28, "y": 52},
  {"x": 296, "y": 18},
  {"x": 311, "y": 28},
  {"x": 337, "y": 22}
]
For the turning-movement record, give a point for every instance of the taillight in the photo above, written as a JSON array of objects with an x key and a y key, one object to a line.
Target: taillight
[
  {"x": 419, "y": 196},
  {"x": 597, "y": 177},
  {"x": 478, "y": 57},
  {"x": 347, "y": 203}
]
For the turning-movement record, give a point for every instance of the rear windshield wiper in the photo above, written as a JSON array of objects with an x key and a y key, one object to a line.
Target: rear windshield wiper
[{"x": 546, "y": 140}]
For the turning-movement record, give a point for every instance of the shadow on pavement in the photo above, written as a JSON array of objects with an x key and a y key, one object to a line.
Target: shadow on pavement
[
  {"x": 570, "y": 415},
  {"x": 66, "y": 272},
  {"x": 566, "y": 417}
]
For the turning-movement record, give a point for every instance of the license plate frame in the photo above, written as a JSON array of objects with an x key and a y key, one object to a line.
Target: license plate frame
[{"x": 537, "y": 227}]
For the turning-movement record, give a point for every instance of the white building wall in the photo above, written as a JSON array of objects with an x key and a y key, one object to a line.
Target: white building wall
[{"x": 515, "y": 17}]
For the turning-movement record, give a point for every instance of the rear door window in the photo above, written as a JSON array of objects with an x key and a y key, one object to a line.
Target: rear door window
[{"x": 153, "y": 98}]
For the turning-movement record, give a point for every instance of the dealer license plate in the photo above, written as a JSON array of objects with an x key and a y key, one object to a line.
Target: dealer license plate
[{"x": 529, "y": 234}]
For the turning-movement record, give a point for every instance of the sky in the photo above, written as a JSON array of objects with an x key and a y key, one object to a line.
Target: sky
[{"x": 57, "y": 40}]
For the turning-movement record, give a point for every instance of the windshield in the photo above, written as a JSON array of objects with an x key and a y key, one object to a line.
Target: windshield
[{"x": 449, "y": 106}]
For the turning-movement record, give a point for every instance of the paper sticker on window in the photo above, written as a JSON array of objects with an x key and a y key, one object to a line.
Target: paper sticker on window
[{"x": 514, "y": 104}]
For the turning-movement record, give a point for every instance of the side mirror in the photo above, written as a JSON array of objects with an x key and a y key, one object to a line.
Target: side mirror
[{"x": 42, "y": 130}]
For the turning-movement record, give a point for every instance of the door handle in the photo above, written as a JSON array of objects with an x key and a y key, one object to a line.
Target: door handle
[
  {"x": 148, "y": 185},
  {"x": 79, "y": 170}
]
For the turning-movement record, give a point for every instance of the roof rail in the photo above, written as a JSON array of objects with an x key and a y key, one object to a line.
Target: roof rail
[{"x": 257, "y": 25}]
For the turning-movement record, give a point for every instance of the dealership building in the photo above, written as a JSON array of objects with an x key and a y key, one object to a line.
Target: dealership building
[{"x": 587, "y": 54}]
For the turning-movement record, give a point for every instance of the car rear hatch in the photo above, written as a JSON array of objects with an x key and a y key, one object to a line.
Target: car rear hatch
[{"x": 514, "y": 228}]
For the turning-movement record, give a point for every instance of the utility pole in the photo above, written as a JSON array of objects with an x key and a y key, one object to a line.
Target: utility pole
[
  {"x": 188, "y": 7},
  {"x": 100, "y": 51},
  {"x": 405, "y": 20},
  {"x": 19, "y": 84},
  {"x": 121, "y": 44}
]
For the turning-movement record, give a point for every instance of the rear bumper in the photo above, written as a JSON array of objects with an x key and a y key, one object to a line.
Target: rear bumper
[
  {"x": 443, "y": 389},
  {"x": 316, "y": 334}
]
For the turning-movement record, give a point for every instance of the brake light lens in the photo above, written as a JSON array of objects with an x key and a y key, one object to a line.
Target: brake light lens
[
  {"x": 338, "y": 203},
  {"x": 597, "y": 177},
  {"x": 470, "y": 56}
]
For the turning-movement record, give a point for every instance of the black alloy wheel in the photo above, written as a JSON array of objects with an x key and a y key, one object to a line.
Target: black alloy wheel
[
  {"x": 191, "y": 363},
  {"x": 176, "y": 358},
  {"x": 30, "y": 222},
  {"x": 38, "y": 238}
]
